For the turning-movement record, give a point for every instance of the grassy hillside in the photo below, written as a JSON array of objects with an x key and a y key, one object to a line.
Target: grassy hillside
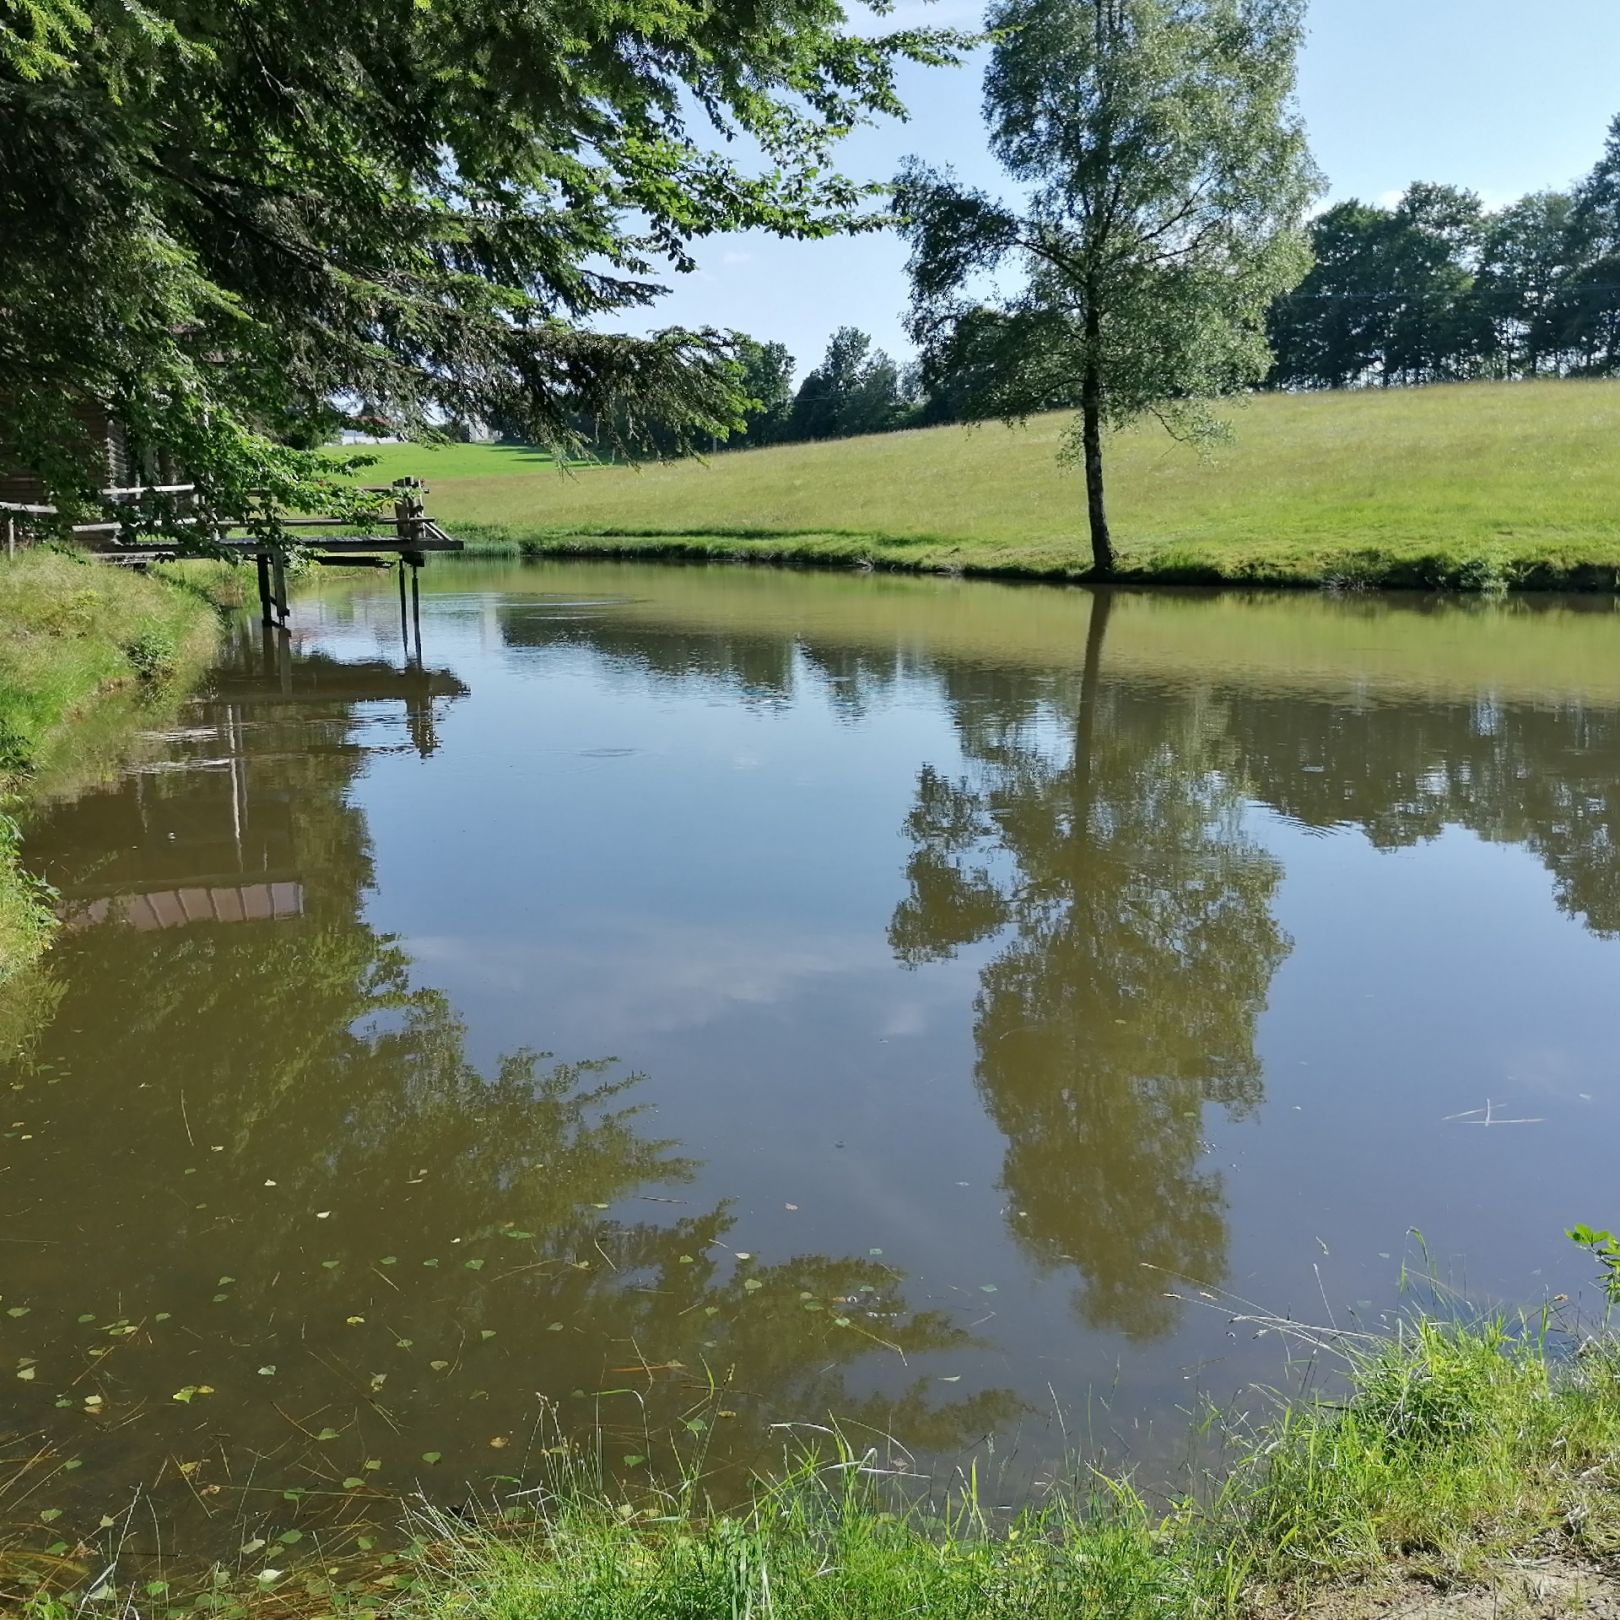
[{"x": 1468, "y": 485}]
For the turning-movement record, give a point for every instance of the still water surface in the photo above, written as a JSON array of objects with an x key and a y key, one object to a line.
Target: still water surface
[{"x": 696, "y": 1001}]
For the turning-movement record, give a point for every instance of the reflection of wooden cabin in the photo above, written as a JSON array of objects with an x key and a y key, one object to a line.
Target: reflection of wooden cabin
[
  {"x": 174, "y": 908},
  {"x": 209, "y": 836}
]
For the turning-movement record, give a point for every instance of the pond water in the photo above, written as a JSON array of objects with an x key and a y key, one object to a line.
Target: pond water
[{"x": 695, "y": 1002}]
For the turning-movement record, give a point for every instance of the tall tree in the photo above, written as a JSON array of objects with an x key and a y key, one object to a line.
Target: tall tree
[
  {"x": 767, "y": 378},
  {"x": 1525, "y": 260},
  {"x": 1167, "y": 177},
  {"x": 855, "y": 389},
  {"x": 1435, "y": 332},
  {"x": 222, "y": 221},
  {"x": 1329, "y": 332},
  {"x": 1590, "y": 298}
]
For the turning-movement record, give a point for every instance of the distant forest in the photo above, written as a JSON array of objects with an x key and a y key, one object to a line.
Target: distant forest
[{"x": 1436, "y": 288}]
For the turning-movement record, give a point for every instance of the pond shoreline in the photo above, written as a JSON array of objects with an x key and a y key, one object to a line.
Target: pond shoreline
[
  {"x": 1467, "y": 1469},
  {"x": 1347, "y": 568},
  {"x": 76, "y": 638}
]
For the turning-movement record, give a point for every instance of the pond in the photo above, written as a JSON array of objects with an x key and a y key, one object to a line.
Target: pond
[{"x": 692, "y": 1006}]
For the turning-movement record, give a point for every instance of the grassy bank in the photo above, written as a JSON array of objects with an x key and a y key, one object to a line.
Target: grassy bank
[
  {"x": 1461, "y": 487},
  {"x": 72, "y": 632},
  {"x": 1460, "y": 1457}
]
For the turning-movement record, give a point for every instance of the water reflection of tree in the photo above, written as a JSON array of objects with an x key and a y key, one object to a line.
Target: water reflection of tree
[
  {"x": 262, "y": 1145},
  {"x": 1137, "y": 948},
  {"x": 1540, "y": 776}
]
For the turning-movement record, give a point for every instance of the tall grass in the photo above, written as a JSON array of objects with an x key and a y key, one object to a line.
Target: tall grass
[
  {"x": 1454, "y": 1447},
  {"x": 71, "y": 630}
]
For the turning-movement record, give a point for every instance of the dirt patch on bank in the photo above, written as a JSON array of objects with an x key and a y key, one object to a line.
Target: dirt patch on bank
[{"x": 1546, "y": 1589}]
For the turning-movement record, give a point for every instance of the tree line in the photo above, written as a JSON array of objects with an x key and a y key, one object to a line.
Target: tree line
[
  {"x": 1433, "y": 288},
  {"x": 1438, "y": 288}
]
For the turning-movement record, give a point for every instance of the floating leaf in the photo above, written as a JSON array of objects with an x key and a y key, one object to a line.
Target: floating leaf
[
  {"x": 184, "y": 1395},
  {"x": 355, "y": 1321},
  {"x": 162, "y": 1316},
  {"x": 19, "y": 1310},
  {"x": 486, "y": 1333},
  {"x": 353, "y": 1482},
  {"x": 987, "y": 1288},
  {"x": 432, "y": 1265},
  {"x": 329, "y": 1265},
  {"x": 253, "y": 1546},
  {"x": 89, "y": 1316},
  {"x": 26, "y": 1373},
  {"x": 743, "y": 1254},
  {"x": 323, "y": 1214},
  {"x": 403, "y": 1344},
  {"x": 499, "y": 1442},
  {"x": 840, "y": 1321},
  {"x": 50, "y": 1515},
  {"x": 372, "y": 1464},
  {"x": 752, "y": 1284},
  {"x": 431, "y": 1456},
  {"x": 634, "y": 1460},
  {"x": 438, "y": 1366},
  {"x": 224, "y": 1282},
  {"x": 389, "y": 1260},
  {"x": 473, "y": 1265},
  {"x": 327, "y": 1434},
  {"x": 556, "y": 1327},
  {"x": 874, "y": 1252},
  {"x": 290, "y": 1538},
  {"x": 268, "y": 1370}
]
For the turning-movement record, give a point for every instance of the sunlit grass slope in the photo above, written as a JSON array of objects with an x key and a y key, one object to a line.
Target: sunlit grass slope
[{"x": 1464, "y": 486}]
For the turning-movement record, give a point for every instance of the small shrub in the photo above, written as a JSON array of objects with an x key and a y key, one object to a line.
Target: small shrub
[
  {"x": 153, "y": 653},
  {"x": 1604, "y": 1247}
]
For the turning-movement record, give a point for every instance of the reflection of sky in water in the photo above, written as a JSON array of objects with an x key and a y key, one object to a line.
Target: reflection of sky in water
[{"x": 1001, "y": 974}]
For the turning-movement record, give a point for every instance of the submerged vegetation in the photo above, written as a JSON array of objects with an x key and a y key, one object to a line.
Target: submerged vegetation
[
  {"x": 71, "y": 630},
  {"x": 1456, "y": 1449}
]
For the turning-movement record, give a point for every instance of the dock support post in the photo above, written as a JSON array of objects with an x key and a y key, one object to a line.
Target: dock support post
[
  {"x": 265, "y": 617},
  {"x": 416, "y": 607},
  {"x": 279, "y": 568}
]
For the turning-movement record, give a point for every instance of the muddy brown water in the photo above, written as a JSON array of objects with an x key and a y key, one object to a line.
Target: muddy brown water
[{"x": 696, "y": 1005}]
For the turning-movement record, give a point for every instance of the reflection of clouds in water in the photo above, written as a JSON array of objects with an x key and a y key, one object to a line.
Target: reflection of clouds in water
[
  {"x": 1559, "y": 1074},
  {"x": 657, "y": 977}
]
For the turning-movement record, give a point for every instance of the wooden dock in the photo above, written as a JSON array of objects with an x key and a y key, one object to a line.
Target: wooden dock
[{"x": 408, "y": 536}]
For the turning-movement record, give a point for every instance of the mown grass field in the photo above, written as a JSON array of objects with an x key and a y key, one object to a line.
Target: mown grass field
[{"x": 1466, "y": 486}]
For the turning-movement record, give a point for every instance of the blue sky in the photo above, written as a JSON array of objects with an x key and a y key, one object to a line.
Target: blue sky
[{"x": 1503, "y": 96}]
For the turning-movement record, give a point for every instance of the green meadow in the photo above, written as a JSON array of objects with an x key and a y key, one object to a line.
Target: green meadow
[{"x": 1467, "y": 486}]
